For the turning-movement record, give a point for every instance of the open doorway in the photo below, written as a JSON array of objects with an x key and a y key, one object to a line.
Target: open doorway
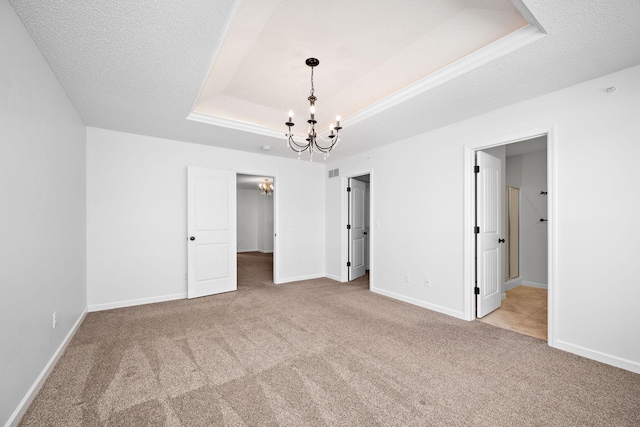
[
  {"x": 255, "y": 229},
  {"x": 358, "y": 227},
  {"x": 522, "y": 234}
]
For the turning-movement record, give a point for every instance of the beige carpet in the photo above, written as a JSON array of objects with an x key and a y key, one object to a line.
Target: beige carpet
[{"x": 319, "y": 353}]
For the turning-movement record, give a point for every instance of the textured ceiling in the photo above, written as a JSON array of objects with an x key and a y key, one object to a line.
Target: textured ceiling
[{"x": 138, "y": 66}]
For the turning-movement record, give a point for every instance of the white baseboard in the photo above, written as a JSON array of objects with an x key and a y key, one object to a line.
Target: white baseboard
[
  {"x": 535, "y": 284},
  {"x": 14, "y": 419},
  {"x": 420, "y": 303},
  {"x": 618, "y": 362},
  {"x": 244, "y": 251},
  {"x": 334, "y": 277},
  {"x": 133, "y": 302},
  {"x": 300, "y": 278},
  {"x": 513, "y": 283}
]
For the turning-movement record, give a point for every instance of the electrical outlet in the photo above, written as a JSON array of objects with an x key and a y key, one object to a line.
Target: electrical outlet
[
  {"x": 55, "y": 319},
  {"x": 407, "y": 278},
  {"x": 427, "y": 282}
]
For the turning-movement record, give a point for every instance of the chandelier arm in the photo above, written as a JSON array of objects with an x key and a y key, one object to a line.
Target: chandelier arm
[
  {"x": 302, "y": 147},
  {"x": 329, "y": 148},
  {"x": 323, "y": 150}
]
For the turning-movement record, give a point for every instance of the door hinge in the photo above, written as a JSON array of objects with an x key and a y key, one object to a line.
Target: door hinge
[
  {"x": 348, "y": 189},
  {"x": 476, "y": 290},
  {"x": 476, "y": 229},
  {"x": 348, "y": 226},
  {"x": 348, "y": 264},
  {"x": 476, "y": 169}
]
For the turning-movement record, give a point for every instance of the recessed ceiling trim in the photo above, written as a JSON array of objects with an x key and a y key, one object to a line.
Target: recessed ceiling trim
[
  {"x": 235, "y": 124},
  {"x": 524, "y": 10},
  {"x": 513, "y": 41},
  {"x": 223, "y": 35}
]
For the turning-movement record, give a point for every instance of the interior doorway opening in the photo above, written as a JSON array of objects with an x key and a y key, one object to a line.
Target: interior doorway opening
[
  {"x": 518, "y": 268},
  {"x": 256, "y": 213},
  {"x": 358, "y": 226}
]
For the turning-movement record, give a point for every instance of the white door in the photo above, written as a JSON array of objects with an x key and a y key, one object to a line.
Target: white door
[
  {"x": 356, "y": 226},
  {"x": 489, "y": 273},
  {"x": 211, "y": 231}
]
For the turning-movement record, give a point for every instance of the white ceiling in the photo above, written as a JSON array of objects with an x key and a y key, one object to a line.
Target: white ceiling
[{"x": 140, "y": 66}]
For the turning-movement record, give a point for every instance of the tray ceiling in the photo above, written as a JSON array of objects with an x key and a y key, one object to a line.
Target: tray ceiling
[
  {"x": 259, "y": 71},
  {"x": 141, "y": 66}
]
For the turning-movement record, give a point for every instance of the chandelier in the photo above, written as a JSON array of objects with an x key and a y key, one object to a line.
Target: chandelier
[
  {"x": 314, "y": 143},
  {"x": 266, "y": 187}
]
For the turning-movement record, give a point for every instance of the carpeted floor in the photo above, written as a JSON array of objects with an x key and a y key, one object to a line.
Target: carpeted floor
[{"x": 319, "y": 352}]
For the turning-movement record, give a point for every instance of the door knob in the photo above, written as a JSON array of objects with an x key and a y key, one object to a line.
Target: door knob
[
  {"x": 192, "y": 238},
  {"x": 500, "y": 240}
]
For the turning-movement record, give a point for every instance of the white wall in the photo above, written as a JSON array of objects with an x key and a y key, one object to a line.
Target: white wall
[
  {"x": 255, "y": 221},
  {"x": 529, "y": 173},
  {"x": 136, "y": 214},
  {"x": 42, "y": 219},
  {"x": 417, "y": 196},
  {"x": 247, "y": 224},
  {"x": 265, "y": 223}
]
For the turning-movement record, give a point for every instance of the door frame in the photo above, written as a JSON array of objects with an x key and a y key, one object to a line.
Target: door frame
[
  {"x": 469, "y": 151},
  {"x": 276, "y": 197},
  {"x": 344, "y": 220}
]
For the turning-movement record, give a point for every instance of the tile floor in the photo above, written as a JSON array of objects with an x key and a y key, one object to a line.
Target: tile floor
[{"x": 524, "y": 310}]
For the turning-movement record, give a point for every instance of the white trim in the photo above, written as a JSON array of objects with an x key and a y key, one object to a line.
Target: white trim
[
  {"x": 513, "y": 283},
  {"x": 223, "y": 35},
  {"x": 618, "y": 362},
  {"x": 552, "y": 235},
  {"x": 535, "y": 284},
  {"x": 134, "y": 302},
  {"x": 19, "y": 412},
  {"x": 500, "y": 47},
  {"x": 468, "y": 242},
  {"x": 528, "y": 15},
  {"x": 419, "y": 303},
  {"x": 301, "y": 278},
  {"x": 334, "y": 277},
  {"x": 235, "y": 124},
  {"x": 244, "y": 251}
]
